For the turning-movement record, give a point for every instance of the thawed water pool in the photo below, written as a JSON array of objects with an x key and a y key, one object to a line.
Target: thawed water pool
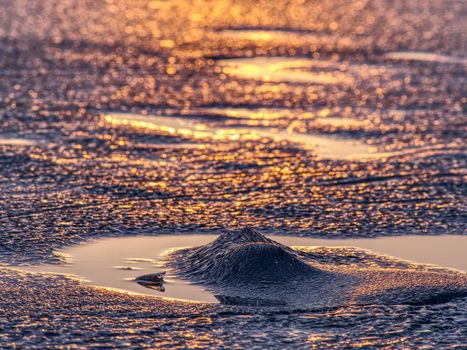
[
  {"x": 16, "y": 141},
  {"x": 324, "y": 146},
  {"x": 117, "y": 262}
]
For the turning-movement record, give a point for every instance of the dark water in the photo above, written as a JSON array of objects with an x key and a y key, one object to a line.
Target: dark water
[{"x": 328, "y": 119}]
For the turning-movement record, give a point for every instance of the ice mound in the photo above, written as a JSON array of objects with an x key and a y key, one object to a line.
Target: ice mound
[
  {"x": 247, "y": 268},
  {"x": 241, "y": 258}
]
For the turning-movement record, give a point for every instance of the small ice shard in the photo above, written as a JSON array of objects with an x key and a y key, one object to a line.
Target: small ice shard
[
  {"x": 152, "y": 277},
  {"x": 153, "y": 281},
  {"x": 129, "y": 268}
]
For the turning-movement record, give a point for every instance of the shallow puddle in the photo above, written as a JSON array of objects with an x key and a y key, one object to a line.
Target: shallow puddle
[
  {"x": 342, "y": 123},
  {"x": 424, "y": 57},
  {"x": 16, "y": 141},
  {"x": 278, "y": 36},
  {"x": 324, "y": 146},
  {"x": 283, "y": 69},
  {"x": 262, "y": 35},
  {"x": 177, "y": 126},
  {"x": 260, "y": 113},
  {"x": 301, "y": 70},
  {"x": 117, "y": 262},
  {"x": 267, "y": 35}
]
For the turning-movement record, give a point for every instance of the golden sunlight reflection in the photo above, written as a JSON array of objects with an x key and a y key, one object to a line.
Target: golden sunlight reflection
[
  {"x": 15, "y": 141},
  {"x": 327, "y": 147},
  {"x": 424, "y": 57},
  {"x": 116, "y": 262},
  {"x": 163, "y": 122},
  {"x": 343, "y": 123},
  {"x": 290, "y": 37},
  {"x": 283, "y": 69},
  {"x": 259, "y": 113}
]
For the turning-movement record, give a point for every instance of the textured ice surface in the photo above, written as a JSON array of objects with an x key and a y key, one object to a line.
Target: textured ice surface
[
  {"x": 246, "y": 267},
  {"x": 65, "y": 63},
  {"x": 43, "y": 310},
  {"x": 119, "y": 262}
]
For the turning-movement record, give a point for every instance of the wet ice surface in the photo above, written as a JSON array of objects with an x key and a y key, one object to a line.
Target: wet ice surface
[
  {"x": 377, "y": 324},
  {"x": 64, "y": 66},
  {"x": 281, "y": 69},
  {"x": 118, "y": 262},
  {"x": 285, "y": 37},
  {"x": 327, "y": 147},
  {"x": 425, "y": 57}
]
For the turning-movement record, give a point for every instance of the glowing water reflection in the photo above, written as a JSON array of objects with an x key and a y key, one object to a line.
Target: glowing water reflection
[
  {"x": 344, "y": 123},
  {"x": 15, "y": 141},
  {"x": 283, "y": 69},
  {"x": 327, "y": 147},
  {"x": 117, "y": 262},
  {"x": 259, "y": 113},
  {"x": 285, "y": 36},
  {"x": 424, "y": 57}
]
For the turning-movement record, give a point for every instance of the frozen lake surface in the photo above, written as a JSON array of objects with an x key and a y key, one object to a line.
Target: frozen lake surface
[{"x": 131, "y": 127}]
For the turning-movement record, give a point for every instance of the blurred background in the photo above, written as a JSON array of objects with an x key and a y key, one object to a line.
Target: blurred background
[{"x": 324, "y": 118}]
